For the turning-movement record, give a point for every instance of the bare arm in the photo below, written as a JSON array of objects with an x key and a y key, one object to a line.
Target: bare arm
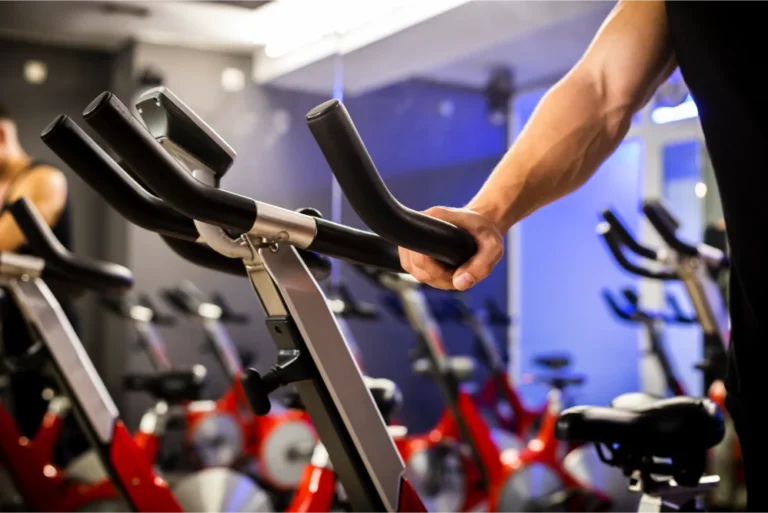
[
  {"x": 577, "y": 125},
  {"x": 583, "y": 118},
  {"x": 46, "y": 187}
]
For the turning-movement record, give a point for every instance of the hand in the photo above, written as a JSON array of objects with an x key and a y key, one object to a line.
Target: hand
[{"x": 490, "y": 249}]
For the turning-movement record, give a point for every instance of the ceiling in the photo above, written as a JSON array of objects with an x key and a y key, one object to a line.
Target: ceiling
[{"x": 458, "y": 41}]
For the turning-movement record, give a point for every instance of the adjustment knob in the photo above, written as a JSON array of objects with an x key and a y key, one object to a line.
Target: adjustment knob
[{"x": 257, "y": 389}]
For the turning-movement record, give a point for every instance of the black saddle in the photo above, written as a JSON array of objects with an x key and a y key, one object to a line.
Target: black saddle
[
  {"x": 386, "y": 394},
  {"x": 553, "y": 362},
  {"x": 644, "y": 426},
  {"x": 462, "y": 367},
  {"x": 173, "y": 387}
]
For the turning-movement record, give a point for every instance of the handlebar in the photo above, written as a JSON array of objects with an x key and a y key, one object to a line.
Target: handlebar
[
  {"x": 621, "y": 313},
  {"x": 105, "y": 176},
  {"x": 351, "y": 307},
  {"x": 77, "y": 271},
  {"x": 678, "y": 315},
  {"x": 204, "y": 256},
  {"x": 133, "y": 143},
  {"x": 623, "y": 235},
  {"x": 666, "y": 225},
  {"x": 169, "y": 180},
  {"x": 605, "y": 230},
  {"x": 358, "y": 177}
]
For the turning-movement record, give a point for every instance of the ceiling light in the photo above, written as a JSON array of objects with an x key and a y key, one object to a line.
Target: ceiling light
[
  {"x": 35, "y": 72},
  {"x": 232, "y": 80},
  {"x": 700, "y": 189}
]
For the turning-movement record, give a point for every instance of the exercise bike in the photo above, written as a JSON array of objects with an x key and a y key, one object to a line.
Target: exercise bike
[
  {"x": 312, "y": 353},
  {"x": 660, "y": 444},
  {"x": 650, "y": 321},
  {"x": 132, "y": 477},
  {"x": 502, "y": 473},
  {"x": 694, "y": 266},
  {"x": 225, "y": 432}
]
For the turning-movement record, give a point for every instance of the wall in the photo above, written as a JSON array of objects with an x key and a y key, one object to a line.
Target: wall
[
  {"x": 75, "y": 77},
  {"x": 564, "y": 267}
]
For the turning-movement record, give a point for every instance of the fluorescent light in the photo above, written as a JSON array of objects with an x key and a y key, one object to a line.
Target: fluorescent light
[
  {"x": 700, "y": 189},
  {"x": 686, "y": 110}
]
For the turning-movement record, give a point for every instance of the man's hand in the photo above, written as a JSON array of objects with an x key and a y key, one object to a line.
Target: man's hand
[{"x": 490, "y": 249}]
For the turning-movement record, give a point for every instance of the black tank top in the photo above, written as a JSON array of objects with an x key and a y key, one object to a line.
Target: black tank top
[
  {"x": 15, "y": 335},
  {"x": 718, "y": 45}
]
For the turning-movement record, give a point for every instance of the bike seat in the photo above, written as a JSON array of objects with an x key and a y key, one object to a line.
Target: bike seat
[
  {"x": 174, "y": 386},
  {"x": 663, "y": 428},
  {"x": 462, "y": 367},
  {"x": 553, "y": 362},
  {"x": 387, "y": 396}
]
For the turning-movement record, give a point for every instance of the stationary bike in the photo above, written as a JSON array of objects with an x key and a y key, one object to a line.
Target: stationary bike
[
  {"x": 224, "y": 432},
  {"x": 694, "y": 266},
  {"x": 132, "y": 476},
  {"x": 504, "y": 474},
  {"x": 659, "y": 444},
  {"x": 312, "y": 352}
]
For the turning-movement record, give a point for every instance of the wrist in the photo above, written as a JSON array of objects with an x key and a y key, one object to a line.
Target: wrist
[{"x": 493, "y": 211}]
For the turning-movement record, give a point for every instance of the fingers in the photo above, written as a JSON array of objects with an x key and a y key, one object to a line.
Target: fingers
[
  {"x": 426, "y": 270},
  {"x": 490, "y": 250}
]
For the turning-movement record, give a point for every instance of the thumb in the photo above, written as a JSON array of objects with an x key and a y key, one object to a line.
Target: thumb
[{"x": 463, "y": 279}]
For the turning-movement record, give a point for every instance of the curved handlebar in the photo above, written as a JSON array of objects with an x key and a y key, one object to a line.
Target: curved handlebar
[
  {"x": 677, "y": 314},
  {"x": 620, "y": 231},
  {"x": 204, "y": 256},
  {"x": 358, "y": 177},
  {"x": 105, "y": 176},
  {"x": 666, "y": 225},
  {"x": 133, "y": 143},
  {"x": 77, "y": 271},
  {"x": 614, "y": 246}
]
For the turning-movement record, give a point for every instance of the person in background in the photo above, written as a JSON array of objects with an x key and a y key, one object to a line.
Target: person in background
[
  {"x": 22, "y": 175},
  {"x": 585, "y": 116}
]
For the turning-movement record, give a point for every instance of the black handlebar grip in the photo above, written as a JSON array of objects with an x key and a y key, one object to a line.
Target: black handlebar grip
[
  {"x": 614, "y": 246},
  {"x": 630, "y": 295},
  {"x": 666, "y": 225},
  {"x": 105, "y": 176},
  {"x": 355, "y": 246},
  {"x": 358, "y": 177},
  {"x": 620, "y": 230},
  {"x": 204, "y": 256},
  {"x": 167, "y": 178},
  {"x": 82, "y": 272}
]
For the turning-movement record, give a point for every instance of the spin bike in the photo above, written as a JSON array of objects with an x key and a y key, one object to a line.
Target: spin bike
[
  {"x": 694, "y": 266},
  {"x": 225, "y": 432},
  {"x": 505, "y": 474},
  {"x": 312, "y": 353},
  {"x": 631, "y": 312},
  {"x": 132, "y": 477}
]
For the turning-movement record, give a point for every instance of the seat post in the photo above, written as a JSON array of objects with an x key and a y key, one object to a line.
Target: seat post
[{"x": 667, "y": 495}]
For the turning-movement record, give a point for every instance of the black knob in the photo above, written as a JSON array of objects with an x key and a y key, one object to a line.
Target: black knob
[{"x": 257, "y": 389}]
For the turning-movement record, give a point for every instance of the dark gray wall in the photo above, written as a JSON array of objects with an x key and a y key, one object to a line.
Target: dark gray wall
[{"x": 74, "y": 77}]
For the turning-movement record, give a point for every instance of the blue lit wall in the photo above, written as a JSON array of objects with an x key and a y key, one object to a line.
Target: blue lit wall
[{"x": 564, "y": 267}]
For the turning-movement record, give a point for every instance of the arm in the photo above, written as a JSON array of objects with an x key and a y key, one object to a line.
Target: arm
[
  {"x": 46, "y": 187},
  {"x": 577, "y": 125}
]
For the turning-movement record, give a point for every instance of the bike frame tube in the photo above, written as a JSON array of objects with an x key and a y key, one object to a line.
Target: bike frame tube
[
  {"x": 345, "y": 416},
  {"x": 132, "y": 474}
]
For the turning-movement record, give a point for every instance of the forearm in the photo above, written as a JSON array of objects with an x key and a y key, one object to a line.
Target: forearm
[{"x": 574, "y": 129}]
